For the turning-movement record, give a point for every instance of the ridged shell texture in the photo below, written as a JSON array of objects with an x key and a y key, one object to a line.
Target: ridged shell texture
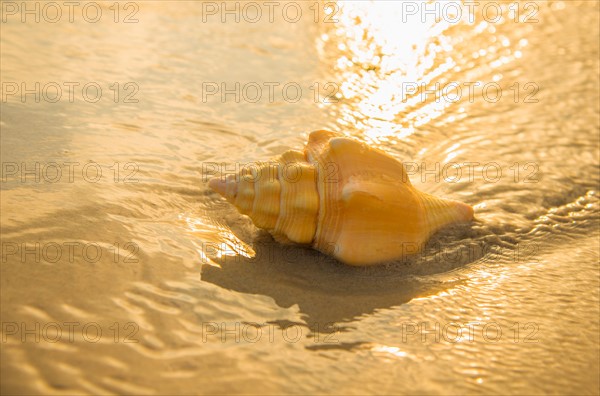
[{"x": 342, "y": 197}]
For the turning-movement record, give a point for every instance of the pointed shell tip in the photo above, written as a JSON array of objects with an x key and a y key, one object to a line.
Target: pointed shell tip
[{"x": 218, "y": 184}]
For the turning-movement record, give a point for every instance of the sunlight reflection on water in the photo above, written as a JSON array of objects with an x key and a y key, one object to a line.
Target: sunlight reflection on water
[
  {"x": 530, "y": 258},
  {"x": 398, "y": 76}
]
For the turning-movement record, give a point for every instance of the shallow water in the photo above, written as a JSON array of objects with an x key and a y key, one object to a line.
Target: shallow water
[{"x": 190, "y": 298}]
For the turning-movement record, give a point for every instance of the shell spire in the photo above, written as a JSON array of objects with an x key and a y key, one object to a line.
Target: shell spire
[
  {"x": 226, "y": 187},
  {"x": 343, "y": 198}
]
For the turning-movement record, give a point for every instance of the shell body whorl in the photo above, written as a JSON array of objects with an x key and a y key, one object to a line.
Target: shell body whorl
[{"x": 343, "y": 198}]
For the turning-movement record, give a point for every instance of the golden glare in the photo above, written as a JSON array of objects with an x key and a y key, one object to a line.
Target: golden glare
[
  {"x": 395, "y": 70},
  {"x": 389, "y": 351},
  {"x": 217, "y": 241}
]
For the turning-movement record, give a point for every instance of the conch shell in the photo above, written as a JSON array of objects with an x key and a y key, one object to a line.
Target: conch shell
[{"x": 341, "y": 197}]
